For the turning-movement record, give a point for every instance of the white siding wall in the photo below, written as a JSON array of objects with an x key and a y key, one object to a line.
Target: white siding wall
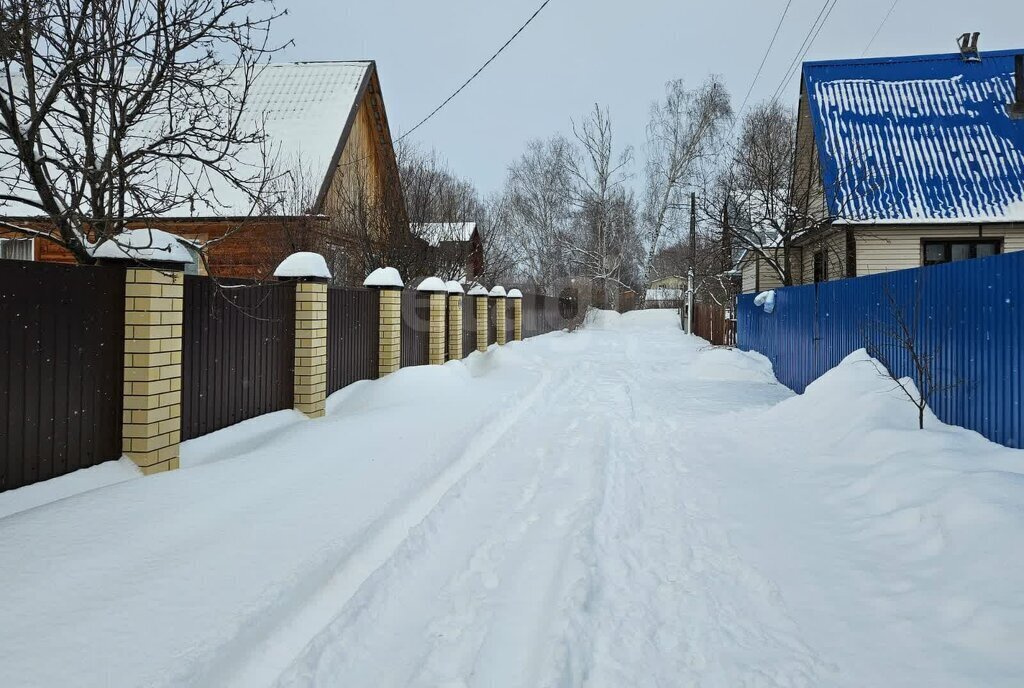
[
  {"x": 887, "y": 248},
  {"x": 769, "y": 278}
]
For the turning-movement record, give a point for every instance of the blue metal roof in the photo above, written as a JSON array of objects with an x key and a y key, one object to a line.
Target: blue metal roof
[{"x": 918, "y": 139}]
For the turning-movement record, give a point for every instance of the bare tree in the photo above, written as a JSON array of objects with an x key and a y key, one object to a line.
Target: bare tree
[
  {"x": 116, "y": 112},
  {"x": 537, "y": 201},
  {"x": 903, "y": 334},
  {"x": 685, "y": 133},
  {"x": 603, "y": 241}
]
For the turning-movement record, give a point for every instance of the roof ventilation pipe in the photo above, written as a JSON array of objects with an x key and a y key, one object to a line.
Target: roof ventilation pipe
[
  {"x": 1016, "y": 109},
  {"x": 969, "y": 47}
]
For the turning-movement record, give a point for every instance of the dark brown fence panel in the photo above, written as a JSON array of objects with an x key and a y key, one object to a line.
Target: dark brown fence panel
[
  {"x": 492, "y": 321},
  {"x": 543, "y": 314},
  {"x": 415, "y": 328},
  {"x": 61, "y": 369},
  {"x": 510, "y": 320},
  {"x": 353, "y": 322},
  {"x": 709, "y": 322},
  {"x": 468, "y": 325},
  {"x": 237, "y": 352}
]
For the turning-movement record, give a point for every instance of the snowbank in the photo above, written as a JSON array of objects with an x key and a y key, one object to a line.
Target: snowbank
[
  {"x": 600, "y": 319},
  {"x": 733, "y": 365},
  {"x": 84, "y": 480}
]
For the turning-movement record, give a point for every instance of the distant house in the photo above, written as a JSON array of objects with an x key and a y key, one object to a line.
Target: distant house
[
  {"x": 912, "y": 160},
  {"x": 458, "y": 248},
  {"x": 328, "y": 134},
  {"x": 665, "y": 292}
]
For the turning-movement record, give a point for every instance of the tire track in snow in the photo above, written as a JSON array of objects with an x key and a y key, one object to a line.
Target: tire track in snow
[{"x": 283, "y": 635}]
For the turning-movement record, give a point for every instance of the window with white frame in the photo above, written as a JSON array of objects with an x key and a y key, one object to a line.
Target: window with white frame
[{"x": 17, "y": 249}]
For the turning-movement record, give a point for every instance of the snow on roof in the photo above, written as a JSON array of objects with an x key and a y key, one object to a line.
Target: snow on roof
[
  {"x": 664, "y": 294},
  {"x": 477, "y": 290},
  {"x": 303, "y": 264},
  {"x": 436, "y": 233},
  {"x": 153, "y": 245},
  {"x": 918, "y": 139},
  {"x": 515, "y": 294},
  {"x": 384, "y": 277},
  {"x": 432, "y": 284},
  {"x": 454, "y": 287},
  {"x": 304, "y": 107},
  {"x": 497, "y": 290}
]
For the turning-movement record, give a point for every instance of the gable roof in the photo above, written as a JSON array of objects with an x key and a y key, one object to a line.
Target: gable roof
[
  {"x": 434, "y": 233},
  {"x": 918, "y": 139},
  {"x": 306, "y": 110}
]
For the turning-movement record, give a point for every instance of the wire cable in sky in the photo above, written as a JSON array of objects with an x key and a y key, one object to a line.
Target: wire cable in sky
[
  {"x": 879, "y": 29},
  {"x": 476, "y": 73},
  {"x": 764, "y": 59},
  {"x": 805, "y": 46}
]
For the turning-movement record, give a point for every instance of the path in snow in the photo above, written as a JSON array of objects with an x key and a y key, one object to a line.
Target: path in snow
[{"x": 613, "y": 507}]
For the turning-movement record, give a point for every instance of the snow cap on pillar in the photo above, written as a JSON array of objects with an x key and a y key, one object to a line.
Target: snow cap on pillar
[
  {"x": 454, "y": 287},
  {"x": 432, "y": 284},
  {"x": 515, "y": 294},
  {"x": 497, "y": 290},
  {"x": 303, "y": 264},
  {"x": 145, "y": 246},
  {"x": 384, "y": 278},
  {"x": 478, "y": 290}
]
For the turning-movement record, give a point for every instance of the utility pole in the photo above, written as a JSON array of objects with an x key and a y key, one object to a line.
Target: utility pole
[{"x": 693, "y": 262}]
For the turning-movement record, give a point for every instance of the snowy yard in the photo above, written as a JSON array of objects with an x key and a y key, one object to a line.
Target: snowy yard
[{"x": 613, "y": 507}]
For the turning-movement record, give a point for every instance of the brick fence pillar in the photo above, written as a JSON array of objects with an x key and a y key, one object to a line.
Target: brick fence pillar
[
  {"x": 498, "y": 294},
  {"x": 389, "y": 347},
  {"x": 455, "y": 293},
  {"x": 517, "y": 314},
  {"x": 151, "y": 428},
  {"x": 480, "y": 294},
  {"x": 310, "y": 347},
  {"x": 310, "y": 273},
  {"x": 438, "y": 291}
]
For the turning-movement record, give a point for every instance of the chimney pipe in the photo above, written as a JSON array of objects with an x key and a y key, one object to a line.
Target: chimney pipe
[
  {"x": 1016, "y": 109},
  {"x": 968, "y": 43}
]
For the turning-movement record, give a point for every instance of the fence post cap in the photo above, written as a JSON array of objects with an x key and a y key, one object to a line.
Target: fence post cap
[
  {"x": 515, "y": 294},
  {"x": 144, "y": 246},
  {"x": 432, "y": 284},
  {"x": 497, "y": 290},
  {"x": 303, "y": 264},
  {"x": 478, "y": 290},
  {"x": 454, "y": 287},
  {"x": 384, "y": 278}
]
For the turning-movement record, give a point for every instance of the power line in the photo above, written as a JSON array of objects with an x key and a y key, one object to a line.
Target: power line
[
  {"x": 879, "y": 29},
  {"x": 764, "y": 59},
  {"x": 805, "y": 46},
  {"x": 476, "y": 73}
]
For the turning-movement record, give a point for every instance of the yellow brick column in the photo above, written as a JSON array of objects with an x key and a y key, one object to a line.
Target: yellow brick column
[
  {"x": 151, "y": 427},
  {"x": 455, "y": 293},
  {"x": 310, "y": 383},
  {"x": 438, "y": 291},
  {"x": 517, "y": 314},
  {"x": 480, "y": 294},
  {"x": 389, "y": 346}
]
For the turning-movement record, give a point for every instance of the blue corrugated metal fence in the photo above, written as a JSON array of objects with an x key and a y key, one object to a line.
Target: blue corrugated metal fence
[{"x": 966, "y": 317}]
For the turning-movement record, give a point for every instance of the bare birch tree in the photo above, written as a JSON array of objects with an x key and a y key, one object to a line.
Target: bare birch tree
[
  {"x": 685, "y": 133},
  {"x": 121, "y": 111}
]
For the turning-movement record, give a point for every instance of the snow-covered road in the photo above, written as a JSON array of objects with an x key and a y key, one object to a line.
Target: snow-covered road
[{"x": 615, "y": 507}]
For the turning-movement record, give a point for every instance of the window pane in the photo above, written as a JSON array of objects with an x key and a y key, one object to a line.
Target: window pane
[
  {"x": 934, "y": 253},
  {"x": 960, "y": 251},
  {"x": 985, "y": 250}
]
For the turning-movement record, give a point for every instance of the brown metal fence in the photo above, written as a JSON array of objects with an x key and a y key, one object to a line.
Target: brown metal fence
[
  {"x": 237, "y": 349},
  {"x": 542, "y": 314},
  {"x": 492, "y": 321},
  {"x": 510, "y": 320},
  {"x": 61, "y": 369},
  {"x": 468, "y": 325},
  {"x": 709, "y": 322},
  {"x": 352, "y": 336},
  {"x": 415, "y": 328}
]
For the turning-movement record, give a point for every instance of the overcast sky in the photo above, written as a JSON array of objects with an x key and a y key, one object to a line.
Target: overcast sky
[{"x": 620, "y": 54}]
